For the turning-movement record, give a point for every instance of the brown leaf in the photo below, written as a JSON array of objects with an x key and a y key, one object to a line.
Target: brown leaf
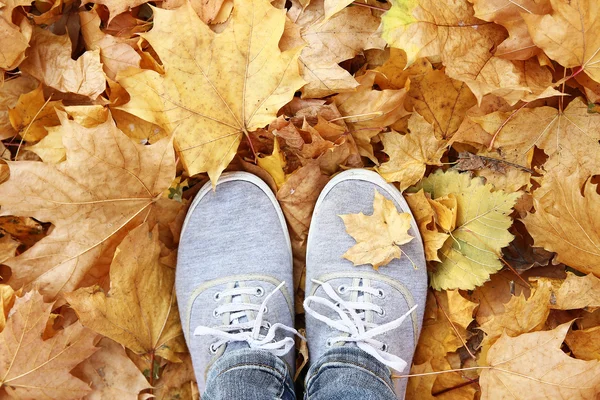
[
  {"x": 533, "y": 363},
  {"x": 139, "y": 311},
  {"x": 111, "y": 374},
  {"x": 49, "y": 60},
  {"x": 565, "y": 220},
  {"x": 395, "y": 72},
  {"x": 39, "y": 369},
  {"x": 10, "y": 91},
  {"x": 7, "y": 299},
  {"x": 32, "y": 114},
  {"x": 585, "y": 344},
  {"x": 94, "y": 198},
  {"x": 574, "y": 292},
  {"x": 14, "y": 38},
  {"x": 177, "y": 381}
]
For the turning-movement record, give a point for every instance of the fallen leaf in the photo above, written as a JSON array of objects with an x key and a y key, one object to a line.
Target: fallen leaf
[
  {"x": 10, "y": 92},
  {"x": 49, "y": 61},
  {"x": 32, "y": 114},
  {"x": 50, "y": 149},
  {"x": 329, "y": 41},
  {"x": 209, "y": 11},
  {"x": 519, "y": 45},
  {"x": 419, "y": 386},
  {"x": 442, "y": 101},
  {"x": 574, "y": 292},
  {"x": 533, "y": 363},
  {"x": 7, "y": 299},
  {"x": 111, "y": 374},
  {"x": 15, "y": 37},
  {"x": 8, "y": 248},
  {"x": 274, "y": 164},
  {"x": 139, "y": 311},
  {"x": 93, "y": 199},
  {"x": 116, "y": 7},
  {"x": 565, "y": 220},
  {"x": 410, "y": 153},
  {"x": 243, "y": 77},
  {"x": 520, "y": 315},
  {"x": 396, "y": 73},
  {"x": 34, "y": 368},
  {"x": 585, "y": 344},
  {"x": 481, "y": 231},
  {"x": 379, "y": 235},
  {"x": 570, "y": 34},
  {"x": 177, "y": 381}
]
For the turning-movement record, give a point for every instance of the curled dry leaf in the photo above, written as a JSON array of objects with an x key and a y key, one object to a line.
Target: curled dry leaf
[
  {"x": 32, "y": 115},
  {"x": 7, "y": 299},
  {"x": 534, "y": 363},
  {"x": 93, "y": 199},
  {"x": 33, "y": 368},
  {"x": 140, "y": 310},
  {"x": 481, "y": 230},
  {"x": 242, "y": 75},
  {"x": 410, "y": 153},
  {"x": 15, "y": 36},
  {"x": 49, "y": 61},
  {"x": 379, "y": 235},
  {"x": 574, "y": 292},
  {"x": 10, "y": 91}
]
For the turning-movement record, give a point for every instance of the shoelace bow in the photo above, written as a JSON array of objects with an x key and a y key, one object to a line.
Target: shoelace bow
[
  {"x": 352, "y": 323},
  {"x": 250, "y": 331}
]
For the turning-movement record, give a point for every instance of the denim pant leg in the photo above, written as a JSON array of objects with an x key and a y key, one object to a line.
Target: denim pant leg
[
  {"x": 249, "y": 374},
  {"x": 346, "y": 373}
]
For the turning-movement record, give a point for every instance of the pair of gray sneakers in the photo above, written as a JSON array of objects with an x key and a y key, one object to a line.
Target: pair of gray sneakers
[{"x": 234, "y": 274}]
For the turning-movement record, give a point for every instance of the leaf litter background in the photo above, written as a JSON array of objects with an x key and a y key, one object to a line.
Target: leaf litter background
[{"x": 114, "y": 113}]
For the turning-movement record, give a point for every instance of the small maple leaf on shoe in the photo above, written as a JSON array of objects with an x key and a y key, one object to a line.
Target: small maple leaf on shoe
[{"x": 378, "y": 236}]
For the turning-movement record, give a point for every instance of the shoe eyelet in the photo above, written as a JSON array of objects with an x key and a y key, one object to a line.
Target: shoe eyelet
[
  {"x": 382, "y": 313},
  {"x": 342, "y": 289},
  {"x": 265, "y": 310},
  {"x": 329, "y": 343},
  {"x": 259, "y": 292},
  {"x": 217, "y": 296},
  {"x": 384, "y": 347},
  {"x": 267, "y": 325},
  {"x": 215, "y": 313},
  {"x": 381, "y": 294},
  {"x": 213, "y": 349}
]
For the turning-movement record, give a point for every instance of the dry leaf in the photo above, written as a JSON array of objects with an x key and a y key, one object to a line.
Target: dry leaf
[
  {"x": 379, "y": 235},
  {"x": 441, "y": 100},
  {"x": 481, "y": 230},
  {"x": 574, "y": 292},
  {"x": 533, "y": 363},
  {"x": 7, "y": 299},
  {"x": 32, "y": 114},
  {"x": 139, "y": 311},
  {"x": 93, "y": 199},
  {"x": 410, "y": 153},
  {"x": 111, "y": 374},
  {"x": 585, "y": 344},
  {"x": 50, "y": 148},
  {"x": 395, "y": 72},
  {"x": 243, "y": 76},
  {"x": 329, "y": 41},
  {"x": 10, "y": 92},
  {"x": 14, "y": 38},
  {"x": 566, "y": 221},
  {"x": 570, "y": 34},
  {"x": 177, "y": 381},
  {"x": 209, "y": 11},
  {"x": 34, "y": 368},
  {"x": 49, "y": 61},
  {"x": 274, "y": 165}
]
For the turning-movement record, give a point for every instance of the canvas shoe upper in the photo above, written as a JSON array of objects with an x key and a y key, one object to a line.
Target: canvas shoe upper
[
  {"x": 379, "y": 311},
  {"x": 234, "y": 271}
]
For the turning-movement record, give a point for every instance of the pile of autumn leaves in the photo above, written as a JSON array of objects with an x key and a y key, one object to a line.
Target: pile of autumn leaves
[{"x": 111, "y": 114}]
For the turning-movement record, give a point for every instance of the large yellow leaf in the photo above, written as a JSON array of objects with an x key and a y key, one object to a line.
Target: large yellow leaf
[
  {"x": 33, "y": 368},
  {"x": 566, "y": 220},
  {"x": 482, "y": 223},
  {"x": 216, "y": 87},
  {"x": 534, "y": 366},
  {"x": 410, "y": 153},
  {"x": 570, "y": 35},
  {"x": 107, "y": 186},
  {"x": 379, "y": 235},
  {"x": 139, "y": 311}
]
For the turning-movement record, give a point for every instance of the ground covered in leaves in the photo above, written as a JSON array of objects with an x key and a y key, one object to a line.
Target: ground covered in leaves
[{"x": 113, "y": 113}]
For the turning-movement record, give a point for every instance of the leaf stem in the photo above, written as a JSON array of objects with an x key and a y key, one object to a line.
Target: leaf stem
[{"x": 439, "y": 304}]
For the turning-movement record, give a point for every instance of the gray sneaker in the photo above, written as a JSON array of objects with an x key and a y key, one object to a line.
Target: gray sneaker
[
  {"x": 380, "y": 312},
  {"x": 233, "y": 265}
]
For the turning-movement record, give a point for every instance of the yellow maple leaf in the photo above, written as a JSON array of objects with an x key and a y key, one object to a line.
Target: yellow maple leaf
[
  {"x": 566, "y": 221},
  {"x": 139, "y": 310},
  {"x": 33, "y": 368},
  {"x": 32, "y": 114},
  {"x": 482, "y": 222},
  {"x": 379, "y": 235},
  {"x": 10, "y": 91},
  {"x": 534, "y": 364},
  {"x": 410, "y": 153},
  {"x": 274, "y": 164},
  {"x": 216, "y": 87},
  {"x": 570, "y": 35},
  {"x": 106, "y": 187}
]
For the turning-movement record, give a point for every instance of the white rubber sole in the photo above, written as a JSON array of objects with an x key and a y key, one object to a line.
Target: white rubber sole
[{"x": 247, "y": 177}]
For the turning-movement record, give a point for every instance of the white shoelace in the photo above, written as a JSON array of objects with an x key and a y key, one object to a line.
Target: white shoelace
[
  {"x": 352, "y": 323},
  {"x": 249, "y": 331}
]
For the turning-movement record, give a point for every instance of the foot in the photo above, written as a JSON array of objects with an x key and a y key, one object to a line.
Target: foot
[
  {"x": 233, "y": 265},
  {"x": 380, "y": 311}
]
